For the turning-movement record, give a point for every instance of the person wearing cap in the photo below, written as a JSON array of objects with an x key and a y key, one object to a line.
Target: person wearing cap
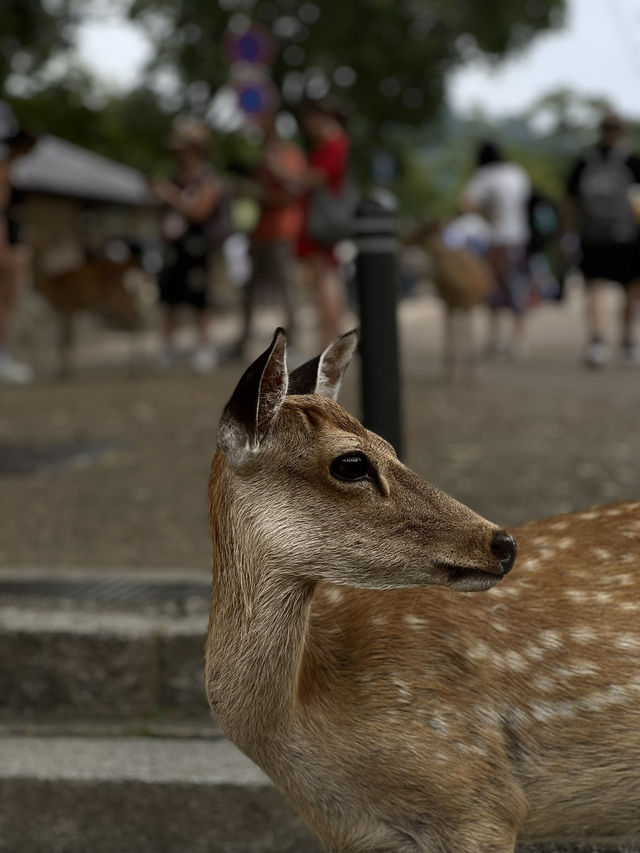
[
  {"x": 190, "y": 202},
  {"x": 14, "y": 145},
  {"x": 599, "y": 207}
]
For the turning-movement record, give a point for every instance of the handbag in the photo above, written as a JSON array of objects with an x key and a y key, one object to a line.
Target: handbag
[{"x": 331, "y": 216}]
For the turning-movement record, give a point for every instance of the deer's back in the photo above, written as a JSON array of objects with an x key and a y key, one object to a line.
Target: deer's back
[
  {"x": 98, "y": 285},
  {"x": 533, "y": 684}
]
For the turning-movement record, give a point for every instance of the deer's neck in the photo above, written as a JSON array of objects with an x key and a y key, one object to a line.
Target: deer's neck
[{"x": 256, "y": 639}]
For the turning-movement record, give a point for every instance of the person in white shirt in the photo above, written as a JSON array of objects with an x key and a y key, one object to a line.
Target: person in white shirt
[{"x": 500, "y": 191}]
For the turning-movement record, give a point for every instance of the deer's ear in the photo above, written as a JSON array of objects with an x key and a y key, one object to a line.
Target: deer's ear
[
  {"x": 323, "y": 374},
  {"x": 254, "y": 404}
]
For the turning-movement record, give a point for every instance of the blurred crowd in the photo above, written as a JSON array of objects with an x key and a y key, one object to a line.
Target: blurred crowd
[{"x": 507, "y": 246}]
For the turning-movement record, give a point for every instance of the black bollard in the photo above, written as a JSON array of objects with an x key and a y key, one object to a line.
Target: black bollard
[{"x": 375, "y": 237}]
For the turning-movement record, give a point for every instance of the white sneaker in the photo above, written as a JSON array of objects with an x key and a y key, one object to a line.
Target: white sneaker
[
  {"x": 597, "y": 354},
  {"x": 204, "y": 359},
  {"x": 14, "y": 372}
]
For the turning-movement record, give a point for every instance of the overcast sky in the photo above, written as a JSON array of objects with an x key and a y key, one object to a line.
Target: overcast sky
[{"x": 598, "y": 53}]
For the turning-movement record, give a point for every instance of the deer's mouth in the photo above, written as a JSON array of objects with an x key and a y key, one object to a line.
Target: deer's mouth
[{"x": 468, "y": 578}]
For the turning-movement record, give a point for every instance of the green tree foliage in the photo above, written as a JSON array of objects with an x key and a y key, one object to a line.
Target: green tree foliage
[
  {"x": 389, "y": 58},
  {"x": 31, "y": 32}
]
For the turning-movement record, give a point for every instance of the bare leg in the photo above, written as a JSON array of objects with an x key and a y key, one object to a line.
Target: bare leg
[
  {"x": 518, "y": 340},
  {"x": 632, "y": 300},
  {"x": 329, "y": 292},
  {"x": 66, "y": 344},
  {"x": 596, "y": 355},
  {"x": 8, "y": 290},
  {"x": 448, "y": 352},
  {"x": 594, "y": 309},
  {"x": 202, "y": 325}
]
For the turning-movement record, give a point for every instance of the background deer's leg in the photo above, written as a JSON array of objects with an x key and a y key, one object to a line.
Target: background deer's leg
[
  {"x": 449, "y": 345},
  {"x": 65, "y": 345}
]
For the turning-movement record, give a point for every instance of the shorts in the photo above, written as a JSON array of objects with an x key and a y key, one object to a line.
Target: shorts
[
  {"x": 610, "y": 261},
  {"x": 184, "y": 279}
]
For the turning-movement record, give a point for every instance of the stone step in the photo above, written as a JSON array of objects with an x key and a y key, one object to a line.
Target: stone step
[
  {"x": 140, "y": 795},
  {"x": 121, "y": 647},
  {"x": 152, "y": 795}
]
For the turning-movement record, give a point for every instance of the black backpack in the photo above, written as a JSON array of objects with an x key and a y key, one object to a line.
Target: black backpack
[{"x": 603, "y": 197}]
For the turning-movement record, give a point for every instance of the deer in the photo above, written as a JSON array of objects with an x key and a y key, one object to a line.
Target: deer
[
  {"x": 99, "y": 285},
  {"x": 463, "y": 280},
  {"x": 371, "y": 649}
]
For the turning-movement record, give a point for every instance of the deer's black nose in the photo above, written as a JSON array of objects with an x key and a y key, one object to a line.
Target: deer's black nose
[{"x": 504, "y": 549}]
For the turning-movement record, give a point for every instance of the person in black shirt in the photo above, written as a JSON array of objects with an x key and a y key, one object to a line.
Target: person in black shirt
[{"x": 599, "y": 190}]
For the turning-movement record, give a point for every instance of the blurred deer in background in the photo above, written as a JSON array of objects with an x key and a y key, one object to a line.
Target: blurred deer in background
[
  {"x": 463, "y": 280},
  {"x": 395, "y": 713},
  {"x": 100, "y": 286}
]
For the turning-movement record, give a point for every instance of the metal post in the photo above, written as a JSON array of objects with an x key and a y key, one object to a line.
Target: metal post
[{"x": 375, "y": 236}]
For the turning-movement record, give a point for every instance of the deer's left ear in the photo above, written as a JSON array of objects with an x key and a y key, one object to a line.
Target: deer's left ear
[
  {"x": 323, "y": 374},
  {"x": 254, "y": 404}
]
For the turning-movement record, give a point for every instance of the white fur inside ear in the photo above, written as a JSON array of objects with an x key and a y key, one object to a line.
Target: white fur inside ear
[{"x": 333, "y": 363}]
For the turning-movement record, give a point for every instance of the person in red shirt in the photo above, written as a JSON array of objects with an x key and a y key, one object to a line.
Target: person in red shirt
[
  {"x": 276, "y": 234},
  {"x": 328, "y": 161}
]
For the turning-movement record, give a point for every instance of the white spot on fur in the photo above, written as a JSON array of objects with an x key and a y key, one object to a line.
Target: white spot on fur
[
  {"x": 333, "y": 594},
  {"x": 480, "y": 651},
  {"x": 601, "y": 553},
  {"x": 515, "y": 661},
  {"x": 578, "y": 595},
  {"x": 404, "y": 690},
  {"x": 560, "y": 525},
  {"x": 629, "y": 642},
  {"x": 551, "y": 639},
  {"x": 630, "y": 605},
  {"x": 544, "y": 684},
  {"x": 542, "y": 712},
  {"x": 534, "y": 652},
  {"x": 565, "y": 542},
  {"x": 414, "y": 622},
  {"x": 528, "y": 565},
  {"x": 547, "y": 553},
  {"x": 438, "y": 724},
  {"x": 583, "y": 634},
  {"x": 603, "y": 597}
]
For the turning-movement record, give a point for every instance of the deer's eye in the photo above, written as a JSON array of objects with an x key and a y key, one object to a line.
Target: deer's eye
[{"x": 350, "y": 467}]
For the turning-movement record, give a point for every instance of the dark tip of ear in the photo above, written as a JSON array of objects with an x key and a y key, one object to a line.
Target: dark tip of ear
[{"x": 240, "y": 420}]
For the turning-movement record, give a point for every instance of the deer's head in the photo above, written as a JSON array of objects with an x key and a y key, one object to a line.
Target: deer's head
[{"x": 319, "y": 497}]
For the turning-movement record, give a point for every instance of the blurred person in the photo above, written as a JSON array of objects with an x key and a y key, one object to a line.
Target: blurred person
[
  {"x": 12, "y": 255},
  {"x": 328, "y": 159},
  {"x": 275, "y": 237},
  {"x": 192, "y": 208},
  {"x": 599, "y": 205},
  {"x": 499, "y": 190}
]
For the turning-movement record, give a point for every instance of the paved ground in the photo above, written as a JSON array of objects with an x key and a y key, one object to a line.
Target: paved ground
[{"x": 123, "y": 460}]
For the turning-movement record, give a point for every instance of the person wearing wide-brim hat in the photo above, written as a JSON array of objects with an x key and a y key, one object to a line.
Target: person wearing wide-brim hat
[{"x": 190, "y": 200}]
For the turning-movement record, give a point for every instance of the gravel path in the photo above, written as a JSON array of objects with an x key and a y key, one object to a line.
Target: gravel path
[{"x": 123, "y": 462}]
